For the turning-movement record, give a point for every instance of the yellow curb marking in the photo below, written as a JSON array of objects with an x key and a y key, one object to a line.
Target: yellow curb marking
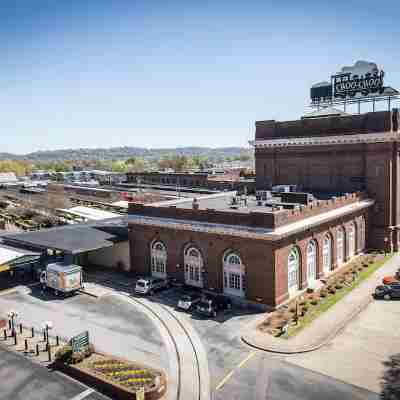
[
  {"x": 240, "y": 365},
  {"x": 7, "y": 291}
]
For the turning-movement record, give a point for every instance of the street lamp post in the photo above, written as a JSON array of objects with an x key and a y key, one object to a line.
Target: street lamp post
[
  {"x": 47, "y": 325},
  {"x": 11, "y": 315}
]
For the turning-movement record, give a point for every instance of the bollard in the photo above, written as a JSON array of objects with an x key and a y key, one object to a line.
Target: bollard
[
  {"x": 44, "y": 335},
  {"x": 26, "y": 345},
  {"x": 20, "y": 329},
  {"x": 37, "y": 349},
  {"x": 5, "y": 334},
  {"x": 49, "y": 352},
  {"x": 15, "y": 338},
  {"x": 57, "y": 340},
  {"x": 33, "y": 332}
]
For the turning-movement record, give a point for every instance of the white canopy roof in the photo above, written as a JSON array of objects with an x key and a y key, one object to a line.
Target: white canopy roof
[{"x": 91, "y": 214}]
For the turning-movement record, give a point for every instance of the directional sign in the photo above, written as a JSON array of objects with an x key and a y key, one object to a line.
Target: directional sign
[
  {"x": 140, "y": 394},
  {"x": 80, "y": 342}
]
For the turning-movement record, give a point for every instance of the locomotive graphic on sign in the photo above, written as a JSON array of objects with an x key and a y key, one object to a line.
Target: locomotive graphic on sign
[{"x": 360, "y": 82}]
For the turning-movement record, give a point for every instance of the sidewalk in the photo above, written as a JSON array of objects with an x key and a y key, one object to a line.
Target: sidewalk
[{"x": 327, "y": 325}]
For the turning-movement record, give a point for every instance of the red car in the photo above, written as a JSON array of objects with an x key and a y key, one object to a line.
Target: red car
[{"x": 390, "y": 279}]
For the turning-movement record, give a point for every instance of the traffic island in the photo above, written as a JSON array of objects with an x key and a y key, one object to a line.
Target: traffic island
[{"x": 115, "y": 377}]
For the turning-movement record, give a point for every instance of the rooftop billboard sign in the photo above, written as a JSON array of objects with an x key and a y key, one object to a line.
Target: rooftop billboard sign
[{"x": 359, "y": 82}]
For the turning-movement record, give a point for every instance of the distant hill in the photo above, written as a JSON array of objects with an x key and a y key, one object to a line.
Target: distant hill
[{"x": 121, "y": 153}]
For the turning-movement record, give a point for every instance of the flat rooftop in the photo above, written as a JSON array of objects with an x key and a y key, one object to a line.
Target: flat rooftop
[{"x": 73, "y": 239}]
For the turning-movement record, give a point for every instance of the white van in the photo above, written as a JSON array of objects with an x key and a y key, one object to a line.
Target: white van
[{"x": 150, "y": 285}]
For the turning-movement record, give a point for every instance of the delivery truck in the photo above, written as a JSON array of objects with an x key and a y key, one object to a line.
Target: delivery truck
[{"x": 62, "y": 278}]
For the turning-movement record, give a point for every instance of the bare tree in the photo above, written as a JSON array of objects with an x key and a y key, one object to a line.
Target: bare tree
[{"x": 391, "y": 379}]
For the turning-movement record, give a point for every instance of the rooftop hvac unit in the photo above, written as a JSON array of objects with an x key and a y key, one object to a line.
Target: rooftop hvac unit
[{"x": 263, "y": 195}]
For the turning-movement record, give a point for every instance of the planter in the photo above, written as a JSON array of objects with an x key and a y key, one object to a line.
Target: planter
[{"x": 111, "y": 389}]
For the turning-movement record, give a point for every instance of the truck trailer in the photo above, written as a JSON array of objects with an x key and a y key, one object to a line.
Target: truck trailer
[{"x": 62, "y": 278}]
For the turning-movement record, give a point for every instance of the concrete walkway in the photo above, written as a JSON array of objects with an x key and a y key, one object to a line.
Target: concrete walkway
[{"x": 326, "y": 326}]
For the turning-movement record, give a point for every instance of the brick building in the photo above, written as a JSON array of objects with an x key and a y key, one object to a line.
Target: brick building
[
  {"x": 198, "y": 180},
  {"x": 340, "y": 153},
  {"x": 269, "y": 248}
]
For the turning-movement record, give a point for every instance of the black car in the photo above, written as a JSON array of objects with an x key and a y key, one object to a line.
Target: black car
[
  {"x": 387, "y": 292},
  {"x": 210, "y": 305}
]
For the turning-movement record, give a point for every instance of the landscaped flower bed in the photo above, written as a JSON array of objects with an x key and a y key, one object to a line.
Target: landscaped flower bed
[
  {"x": 301, "y": 311},
  {"x": 118, "y": 378},
  {"x": 124, "y": 373}
]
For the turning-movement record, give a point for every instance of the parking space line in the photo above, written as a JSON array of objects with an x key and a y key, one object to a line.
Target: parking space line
[
  {"x": 222, "y": 383},
  {"x": 240, "y": 365},
  {"x": 82, "y": 395},
  {"x": 249, "y": 357}
]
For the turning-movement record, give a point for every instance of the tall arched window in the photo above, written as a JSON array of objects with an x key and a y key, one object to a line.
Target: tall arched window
[
  {"x": 361, "y": 234},
  {"x": 327, "y": 253},
  {"x": 158, "y": 260},
  {"x": 293, "y": 270},
  {"x": 340, "y": 246},
  {"x": 193, "y": 261},
  {"x": 351, "y": 234},
  {"x": 312, "y": 261},
  {"x": 234, "y": 274}
]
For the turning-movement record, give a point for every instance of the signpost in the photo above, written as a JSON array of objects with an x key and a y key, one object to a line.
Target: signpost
[
  {"x": 80, "y": 342},
  {"x": 140, "y": 394}
]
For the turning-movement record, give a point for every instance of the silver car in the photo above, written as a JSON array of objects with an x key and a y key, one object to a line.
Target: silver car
[{"x": 150, "y": 285}]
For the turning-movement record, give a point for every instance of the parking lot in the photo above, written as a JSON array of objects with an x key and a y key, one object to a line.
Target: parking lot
[
  {"x": 221, "y": 335},
  {"x": 235, "y": 369}
]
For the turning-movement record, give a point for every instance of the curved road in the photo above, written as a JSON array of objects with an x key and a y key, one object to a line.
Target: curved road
[{"x": 189, "y": 377}]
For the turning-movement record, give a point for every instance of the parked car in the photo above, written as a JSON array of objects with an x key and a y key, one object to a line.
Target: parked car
[
  {"x": 387, "y": 292},
  {"x": 210, "y": 305},
  {"x": 150, "y": 285},
  {"x": 189, "y": 300},
  {"x": 390, "y": 279}
]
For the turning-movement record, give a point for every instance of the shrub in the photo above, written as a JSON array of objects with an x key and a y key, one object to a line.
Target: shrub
[
  {"x": 77, "y": 357},
  {"x": 338, "y": 286},
  {"x": 310, "y": 290},
  {"x": 314, "y": 301},
  {"x": 303, "y": 310},
  {"x": 64, "y": 354}
]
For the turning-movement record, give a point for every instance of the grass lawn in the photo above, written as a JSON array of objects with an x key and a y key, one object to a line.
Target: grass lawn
[{"x": 327, "y": 302}]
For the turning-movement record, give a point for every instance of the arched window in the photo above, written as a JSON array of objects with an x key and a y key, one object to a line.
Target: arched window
[
  {"x": 327, "y": 253},
  {"x": 351, "y": 234},
  {"x": 311, "y": 261},
  {"x": 340, "y": 246},
  {"x": 361, "y": 234},
  {"x": 158, "y": 260},
  {"x": 193, "y": 261},
  {"x": 234, "y": 274},
  {"x": 293, "y": 270}
]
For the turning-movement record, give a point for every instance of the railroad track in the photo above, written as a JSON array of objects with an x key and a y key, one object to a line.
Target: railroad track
[{"x": 186, "y": 390}]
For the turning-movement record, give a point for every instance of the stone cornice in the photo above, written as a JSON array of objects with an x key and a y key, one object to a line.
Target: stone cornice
[{"x": 327, "y": 140}]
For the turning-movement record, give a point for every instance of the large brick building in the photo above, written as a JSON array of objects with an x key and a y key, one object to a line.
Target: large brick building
[
  {"x": 340, "y": 153},
  {"x": 268, "y": 249}
]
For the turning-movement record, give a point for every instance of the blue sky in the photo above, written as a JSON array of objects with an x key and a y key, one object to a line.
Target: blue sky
[{"x": 174, "y": 73}]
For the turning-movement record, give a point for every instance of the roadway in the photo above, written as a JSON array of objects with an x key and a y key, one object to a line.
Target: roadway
[{"x": 237, "y": 372}]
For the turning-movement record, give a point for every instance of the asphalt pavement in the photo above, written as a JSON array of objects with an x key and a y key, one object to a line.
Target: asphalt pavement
[
  {"x": 117, "y": 327},
  {"x": 22, "y": 379}
]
